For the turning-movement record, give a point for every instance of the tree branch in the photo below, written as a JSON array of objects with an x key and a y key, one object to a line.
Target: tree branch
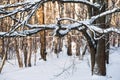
[
  {"x": 20, "y": 33},
  {"x": 64, "y": 29},
  {"x": 104, "y": 14}
]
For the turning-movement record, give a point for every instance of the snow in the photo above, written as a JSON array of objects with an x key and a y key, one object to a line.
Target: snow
[
  {"x": 105, "y": 13},
  {"x": 95, "y": 77},
  {"x": 75, "y": 1},
  {"x": 61, "y": 68},
  {"x": 113, "y": 69},
  {"x": 33, "y": 0}
]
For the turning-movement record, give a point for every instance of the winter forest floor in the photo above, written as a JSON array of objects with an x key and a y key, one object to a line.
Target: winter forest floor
[{"x": 61, "y": 68}]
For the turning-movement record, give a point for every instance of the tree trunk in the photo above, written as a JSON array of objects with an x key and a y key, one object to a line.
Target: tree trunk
[
  {"x": 92, "y": 49},
  {"x": 29, "y": 52},
  {"x": 43, "y": 52},
  {"x": 3, "y": 62},
  {"x": 107, "y": 43},
  {"x": 84, "y": 50},
  {"x": 119, "y": 41},
  {"x": 43, "y": 45},
  {"x": 58, "y": 45},
  {"x": 100, "y": 58},
  {"x": 34, "y": 48},
  {"x": 1, "y": 48},
  {"x": 69, "y": 49},
  {"x": 107, "y": 49},
  {"x": 78, "y": 42},
  {"x": 18, "y": 54},
  {"x": 6, "y": 46},
  {"x": 3, "y": 55},
  {"x": 25, "y": 52},
  {"x": 55, "y": 44},
  {"x": 100, "y": 66}
]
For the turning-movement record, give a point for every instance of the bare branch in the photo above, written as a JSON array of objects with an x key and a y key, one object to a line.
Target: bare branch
[
  {"x": 64, "y": 29},
  {"x": 104, "y": 14},
  {"x": 83, "y": 2},
  {"x": 19, "y": 33},
  {"x": 16, "y": 5},
  {"x": 103, "y": 31}
]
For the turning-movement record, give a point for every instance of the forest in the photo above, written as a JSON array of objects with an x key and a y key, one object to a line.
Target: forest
[{"x": 66, "y": 39}]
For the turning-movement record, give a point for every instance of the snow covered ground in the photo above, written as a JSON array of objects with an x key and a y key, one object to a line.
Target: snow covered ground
[{"x": 62, "y": 68}]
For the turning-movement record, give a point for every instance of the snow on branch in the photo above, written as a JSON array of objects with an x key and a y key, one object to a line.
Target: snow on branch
[
  {"x": 86, "y": 2},
  {"x": 94, "y": 5},
  {"x": 7, "y": 13},
  {"x": 104, "y": 14},
  {"x": 32, "y": 2},
  {"x": 61, "y": 29},
  {"x": 20, "y": 33},
  {"x": 104, "y": 31},
  {"x": 17, "y": 4}
]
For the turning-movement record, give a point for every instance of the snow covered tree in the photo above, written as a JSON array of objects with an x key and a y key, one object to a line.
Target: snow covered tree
[{"x": 95, "y": 28}]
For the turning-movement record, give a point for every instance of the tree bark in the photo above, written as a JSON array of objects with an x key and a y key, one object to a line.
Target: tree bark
[
  {"x": 100, "y": 58},
  {"x": 1, "y": 48},
  {"x": 29, "y": 52},
  {"x": 25, "y": 52},
  {"x": 119, "y": 41},
  {"x": 78, "y": 42},
  {"x": 92, "y": 49},
  {"x": 3, "y": 62},
  {"x": 69, "y": 49},
  {"x": 18, "y": 54},
  {"x": 100, "y": 66},
  {"x": 107, "y": 49},
  {"x": 43, "y": 52}
]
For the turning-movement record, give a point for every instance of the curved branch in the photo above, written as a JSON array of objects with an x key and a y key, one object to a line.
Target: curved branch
[
  {"x": 104, "y": 14},
  {"x": 16, "y": 5},
  {"x": 86, "y": 2},
  {"x": 104, "y": 31}
]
